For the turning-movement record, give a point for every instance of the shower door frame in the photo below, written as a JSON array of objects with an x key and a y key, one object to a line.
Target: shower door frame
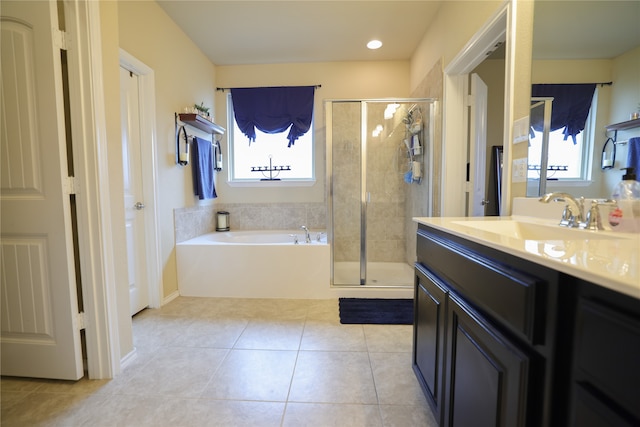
[{"x": 364, "y": 194}]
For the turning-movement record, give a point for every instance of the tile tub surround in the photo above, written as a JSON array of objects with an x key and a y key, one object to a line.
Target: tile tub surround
[
  {"x": 197, "y": 220},
  {"x": 239, "y": 362}
]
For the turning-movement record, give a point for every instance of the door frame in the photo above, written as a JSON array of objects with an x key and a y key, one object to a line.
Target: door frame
[
  {"x": 500, "y": 27},
  {"x": 147, "y": 97},
  {"x": 90, "y": 155}
]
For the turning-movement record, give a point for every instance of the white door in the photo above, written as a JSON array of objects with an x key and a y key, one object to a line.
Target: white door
[
  {"x": 478, "y": 147},
  {"x": 40, "y": 334},
  {"x": 133, "y": 191}
]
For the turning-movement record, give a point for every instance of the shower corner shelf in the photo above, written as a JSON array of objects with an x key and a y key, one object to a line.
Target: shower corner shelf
[{"x": 201, "y": 123}]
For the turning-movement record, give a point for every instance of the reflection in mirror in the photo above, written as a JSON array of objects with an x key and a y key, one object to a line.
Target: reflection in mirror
[{"x": 591, "y": 42}]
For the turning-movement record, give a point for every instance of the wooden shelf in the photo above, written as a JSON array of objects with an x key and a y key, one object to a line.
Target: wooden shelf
[
  {"x": 629, "y": 124},
  {"x": 201, "y": 123}
]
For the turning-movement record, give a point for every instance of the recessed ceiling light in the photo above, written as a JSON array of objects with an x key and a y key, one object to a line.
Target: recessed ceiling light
[{"x": 374, "y": 44}]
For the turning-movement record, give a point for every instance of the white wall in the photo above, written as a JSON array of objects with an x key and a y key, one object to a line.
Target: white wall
[
  {"x": 183, "y": 76},
  {"x": 625, "y": 99}
]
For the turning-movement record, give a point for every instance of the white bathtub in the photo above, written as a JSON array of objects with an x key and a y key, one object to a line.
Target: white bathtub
[{"x": 254, "y": 264}]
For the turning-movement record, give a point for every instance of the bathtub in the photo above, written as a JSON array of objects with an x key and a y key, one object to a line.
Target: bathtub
[{"x": 254, "y": 264}]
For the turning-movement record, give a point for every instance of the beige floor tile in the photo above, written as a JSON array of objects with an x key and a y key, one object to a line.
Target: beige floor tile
[
  {"x": 238, "y": 362},
  {"x": 327, "y": 414},
  {"x": 44, "y": 409},
  {"x": 389, "y": 338},
  {"x": 407, "y": 416},
  {"x": 155, "y": 330},
  {"x": 333, "y": 337},
  {"x": 324, "y": 310},
  {"x": 209, "y": 332},
  {"x": 271, "y": 335},
  {"x": 177, "y": 371},
  {"x": 226, "y": 413},
  {"x": 253, "y": 375},
  {"x": 396, "y": 383},
  {"x": 333, "y": 377}
]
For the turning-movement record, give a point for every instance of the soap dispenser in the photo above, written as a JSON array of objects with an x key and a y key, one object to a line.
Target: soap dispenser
[{"x": 626, "y": 216}]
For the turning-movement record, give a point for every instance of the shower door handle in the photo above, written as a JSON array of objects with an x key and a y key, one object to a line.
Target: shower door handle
[{"x": 368, "y": 197}]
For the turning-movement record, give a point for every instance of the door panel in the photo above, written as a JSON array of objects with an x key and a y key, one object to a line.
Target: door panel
[
  {"x": 40, "y": 337},
  {"x": 133, "y": 191},
  {"x": 478, "y": 146}
]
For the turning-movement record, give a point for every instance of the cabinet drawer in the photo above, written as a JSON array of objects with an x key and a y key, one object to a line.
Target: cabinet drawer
[{"x": 506, "y": 293}]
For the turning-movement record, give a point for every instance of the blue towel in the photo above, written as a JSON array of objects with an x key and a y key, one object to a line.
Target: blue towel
[
  {"x": 203, "y": 184},
  {"x": 633, "y": 155}
]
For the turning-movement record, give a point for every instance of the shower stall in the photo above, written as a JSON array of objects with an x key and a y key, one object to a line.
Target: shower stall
[{"x": 378, "y": 172}]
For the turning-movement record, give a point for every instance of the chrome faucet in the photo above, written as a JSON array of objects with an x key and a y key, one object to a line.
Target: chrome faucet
[
  {"x": 307, "y": 237},
  {"x": 573, "y": 214}
]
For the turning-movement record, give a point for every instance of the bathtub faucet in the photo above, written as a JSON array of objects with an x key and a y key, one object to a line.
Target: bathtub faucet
[{"x": 307, "y": 237}]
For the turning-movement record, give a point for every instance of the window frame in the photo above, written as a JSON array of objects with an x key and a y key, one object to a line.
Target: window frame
[
  {"x": 247, "y": 182},
  {"x": 587, "y": 156}
]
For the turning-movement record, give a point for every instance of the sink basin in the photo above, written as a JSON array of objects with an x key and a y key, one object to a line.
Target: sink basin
[{"x": 534, "y": 231}]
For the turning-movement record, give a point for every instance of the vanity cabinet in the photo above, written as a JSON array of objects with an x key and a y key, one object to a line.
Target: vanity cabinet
[
  {"x": 487, "y": 373},
  {"x": 502, "y": 341},
  {"x": 482, "y": 340},
  {"x": 429, "y": 332},
  {"x": 606, "y": 361}
]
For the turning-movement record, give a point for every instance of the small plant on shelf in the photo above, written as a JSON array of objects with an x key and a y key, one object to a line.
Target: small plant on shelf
[{"x": 202, "y": 110}]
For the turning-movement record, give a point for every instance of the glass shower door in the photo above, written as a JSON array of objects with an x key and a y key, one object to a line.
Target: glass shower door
[
  {"x": 346, "y": 155},
  {"x": 389, "y": 161},
  {"x": 376, "y": 176}
]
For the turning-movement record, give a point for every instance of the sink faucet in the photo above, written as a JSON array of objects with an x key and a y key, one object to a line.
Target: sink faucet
[
  {"x": 307, "y": 237},
  {"x": 573, "y": 214}
]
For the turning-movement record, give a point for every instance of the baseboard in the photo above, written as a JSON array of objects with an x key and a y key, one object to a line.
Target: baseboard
[{"x": 173, "y": 295}]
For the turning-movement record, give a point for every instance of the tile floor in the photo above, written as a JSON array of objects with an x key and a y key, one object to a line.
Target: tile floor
[{"x": 239, "y": 362}]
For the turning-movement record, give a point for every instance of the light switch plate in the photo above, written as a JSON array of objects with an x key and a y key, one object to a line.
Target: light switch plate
[
  {"x": 521, "y": 130},
  {"x": 519, "y": 169}
]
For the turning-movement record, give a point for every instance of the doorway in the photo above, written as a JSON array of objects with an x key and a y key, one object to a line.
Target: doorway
[
  {"x": 376, "y": 150},
  {"x": 140, "y": 192}
]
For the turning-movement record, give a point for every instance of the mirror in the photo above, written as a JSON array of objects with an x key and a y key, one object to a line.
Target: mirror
[{"x": 578, "y": 42}]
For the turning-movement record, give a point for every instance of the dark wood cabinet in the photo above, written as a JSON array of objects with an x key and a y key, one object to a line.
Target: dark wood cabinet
[
  {"x": 502, "y": 341},
  {"x": 429, "y": 339},
  {"x": 487, "y": 375},
  {"x": 606, "y": 361}
]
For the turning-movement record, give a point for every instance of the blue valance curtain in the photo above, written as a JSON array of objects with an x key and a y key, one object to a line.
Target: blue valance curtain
[
  {"x": 274, "y": 110},
  {"x": 571, "y": 105}
]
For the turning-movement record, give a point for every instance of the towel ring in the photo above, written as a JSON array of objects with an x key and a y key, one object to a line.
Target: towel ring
[{"x": 606, "y": 161}]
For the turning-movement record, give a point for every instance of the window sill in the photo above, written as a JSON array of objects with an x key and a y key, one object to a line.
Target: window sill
[
  {"x": 268, "y": 184},
  {"x": 569, "y": 183}
]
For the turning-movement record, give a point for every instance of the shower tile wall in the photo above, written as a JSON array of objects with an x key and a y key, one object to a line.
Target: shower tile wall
[
  {"x": 346, "y": 181},
  {"x": 194, "y": 221}
]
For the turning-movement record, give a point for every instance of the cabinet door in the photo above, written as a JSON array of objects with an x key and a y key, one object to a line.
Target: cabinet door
[
  {"x": 429, "y": 333},
  {"x": 487, "y": 378},
  {"x": 607, "y": 363}
]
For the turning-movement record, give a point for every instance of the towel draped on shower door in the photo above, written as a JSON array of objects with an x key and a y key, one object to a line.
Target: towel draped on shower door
[{"x": 203, "y": 166}]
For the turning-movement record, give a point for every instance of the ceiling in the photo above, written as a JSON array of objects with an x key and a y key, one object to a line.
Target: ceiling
[
  {"x": 241, "y": 32},
  {"x": 585, "y": 29},
  {"x": 264, "y": 32}
]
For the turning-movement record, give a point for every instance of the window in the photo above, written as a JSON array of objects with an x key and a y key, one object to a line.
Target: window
[
  {"x": 569, "y": 159},
  {"x": 269, "y": 158}
]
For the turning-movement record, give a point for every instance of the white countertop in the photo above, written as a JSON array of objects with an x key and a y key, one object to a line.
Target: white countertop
[{"x": 609, "y": 259}]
